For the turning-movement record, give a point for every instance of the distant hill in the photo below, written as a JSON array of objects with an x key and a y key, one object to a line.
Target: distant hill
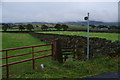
[
  {"x": 75, "y": 23},
  {"x": 92, "y": 23}
]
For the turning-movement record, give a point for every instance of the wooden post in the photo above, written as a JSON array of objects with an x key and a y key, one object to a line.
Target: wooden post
[
  {"x": 7, "y": 69},
  {"x": 52, "y": 47},
  {"x": 58, "y": 53},
  {"x": 52, "y": 50},
  {"x": 33, "y": 61}
]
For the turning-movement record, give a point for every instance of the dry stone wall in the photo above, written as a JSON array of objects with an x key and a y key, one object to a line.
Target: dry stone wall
[{"x": 98, "y": 47}]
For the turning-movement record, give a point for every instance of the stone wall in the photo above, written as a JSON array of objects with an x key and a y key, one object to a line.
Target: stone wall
[{"x": 98, "y": 47}]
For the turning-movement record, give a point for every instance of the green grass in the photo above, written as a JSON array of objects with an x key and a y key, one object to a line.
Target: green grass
[
  {"x": 75, "y": 69},
  {"x": 14, "y": 40},
  {"x": 108, "y": 36},
  {"x": 53, "y": 69}
]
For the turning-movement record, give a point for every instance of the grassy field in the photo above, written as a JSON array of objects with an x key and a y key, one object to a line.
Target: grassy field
[
  {"x": 108, "y": 36},
  {"x": 53, "y": 69},
  {"x": 13, "y": 40}
]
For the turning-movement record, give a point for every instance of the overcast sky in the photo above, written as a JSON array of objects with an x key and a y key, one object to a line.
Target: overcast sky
[{"x": 58, "y": 11}]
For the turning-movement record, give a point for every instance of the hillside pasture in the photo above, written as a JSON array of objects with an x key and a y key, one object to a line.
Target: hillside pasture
[{"x": 13, "y": 40}]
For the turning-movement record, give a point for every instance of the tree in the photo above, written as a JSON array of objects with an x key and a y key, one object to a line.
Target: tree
[
  {"x": 37, "y": 26},
  {"x": 65, "y": 27},
  {"x": 102, "y": 26},
  {"x": 58, "y": 27},
  {"x": 21, "y": 27},
  {"x": 114, "y": 27},
  {"x": 5, "y": 27},
  {"x": 92, "y": 26},
  {"x": 29, "y": 27},
  {"x": 44, "y": 27},
  {"x": 10, "y": 25}
]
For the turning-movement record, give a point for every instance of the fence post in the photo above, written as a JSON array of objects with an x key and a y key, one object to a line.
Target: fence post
[
  {"x": 58, "y": 53},
  {"x": 52, "y": 46},
  {"x": 33, "y": 61},
  {"x": 7, "y": 69}
]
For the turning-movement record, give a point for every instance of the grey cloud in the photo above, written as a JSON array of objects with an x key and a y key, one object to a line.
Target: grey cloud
[{"x": 58, "y": 11}]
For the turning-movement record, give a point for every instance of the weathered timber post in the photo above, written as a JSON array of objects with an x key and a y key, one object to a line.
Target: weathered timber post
[
  {"x": 58, "y": 52},
  {"x": 7, "y": 68},
  {"x": 33, "y": 61},
  {"x": 52, "y": 50}
]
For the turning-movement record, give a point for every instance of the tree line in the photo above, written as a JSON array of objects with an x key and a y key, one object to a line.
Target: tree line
[
  {"x": 30, "y": 27},
  {"x": 21, "y": 27},
  {"x": 57, "y": 27},
  {"x": 112, "y": 27}
]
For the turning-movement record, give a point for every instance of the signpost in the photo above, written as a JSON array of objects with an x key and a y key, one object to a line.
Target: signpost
[{"x": 87, "y": 18}]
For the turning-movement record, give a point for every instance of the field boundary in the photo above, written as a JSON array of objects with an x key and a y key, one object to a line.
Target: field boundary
[
  {"x": 94, "y": 31},
  {"x": 98, "y": 46}
]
